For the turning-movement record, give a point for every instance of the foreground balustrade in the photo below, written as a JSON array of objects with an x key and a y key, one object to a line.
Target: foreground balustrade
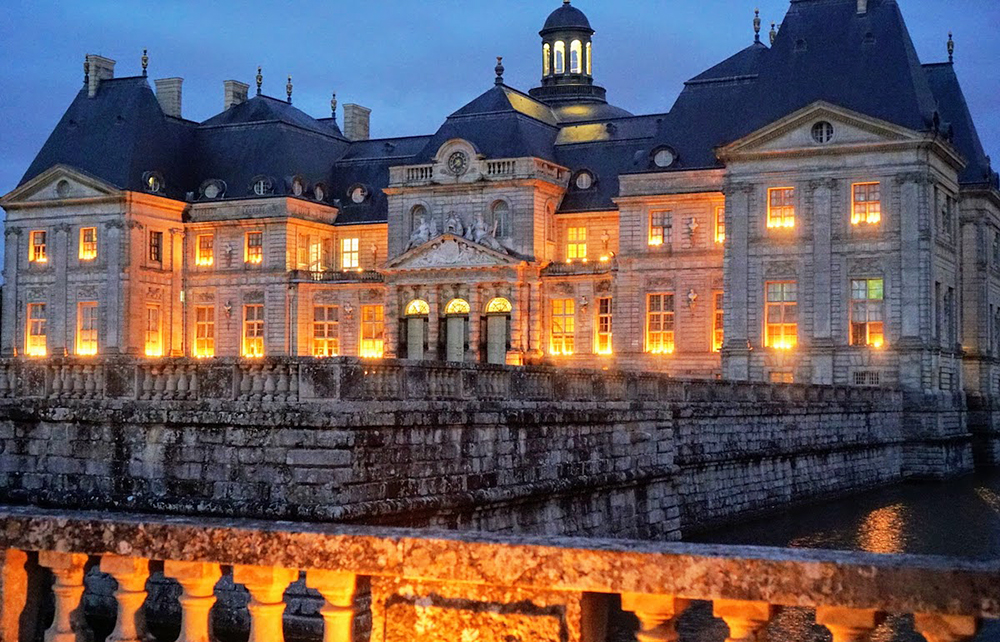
[{"x": 428, "y": 585}]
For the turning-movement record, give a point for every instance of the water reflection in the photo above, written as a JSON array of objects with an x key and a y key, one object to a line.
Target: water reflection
[{"x": 882, "y": 531}]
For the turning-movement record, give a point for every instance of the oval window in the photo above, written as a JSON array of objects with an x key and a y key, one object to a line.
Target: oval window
[
  {"x": 358, "y": 195},
  {"x": 822, "y": 132},
  {"x": 584, "y": 180},
  {"x": 663, "y": 158}
]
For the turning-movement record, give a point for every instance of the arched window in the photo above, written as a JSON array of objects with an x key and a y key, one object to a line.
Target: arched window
[
  {"x": 575, "y": 57},
  {"x": 501, "y": 219},
  {"x": 546, "y": 59},
  {"x": 418, "y": 308},
  {"x": 590, "y": 59},
  {"x": 499, "y": 305},
  {"x": 416, "y": 214},
  {"x": 560, "y": 57},
  {"x": 457, "y": 307}
]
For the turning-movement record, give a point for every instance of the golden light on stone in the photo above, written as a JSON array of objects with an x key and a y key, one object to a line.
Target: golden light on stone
[
  {"x": 458, "y": 307},
  {"x": 418, "y": 308}
]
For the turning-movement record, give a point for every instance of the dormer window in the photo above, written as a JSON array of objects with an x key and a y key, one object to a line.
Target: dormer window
[
  {"x": 358, "y": 194},
  {"x": 584, "y": 180},
  {"x": 319, "y": 192},
  {"x": 664, "y": 157},
  {"x": 298, "y": 187},
  {"x": 822, "y": 132},
  {"x": 213, "y": 189},
  {"x": 153, "y": 182},
  {"x": 262, "y": 186}
]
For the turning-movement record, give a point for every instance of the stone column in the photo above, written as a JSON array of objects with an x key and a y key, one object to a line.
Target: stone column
[
  {"x": 197, "y": 582},
  {"x": 174, "y": 334},
  {"x": 436, "y": 304},
  {"x": 945, "y": 628},
  {"x": 744, "y": 619},
  {"x": 113, "y": 297},
  {"x": 475, "y": 322},
  {"x": 848, "y": 625},
  {"x": 657, "y": 615},
  {"x": 68, "y": 624},
  {"x": 267, "y": 586},
  {"x": 822, "y": 273},
  {"x": 13, "y": 250},
  {"x": 57, "y": 312},
  {"x": 131, "y": 574},
  {"x": 337, "y": 590},
  {"x": 736, "y": 298}
]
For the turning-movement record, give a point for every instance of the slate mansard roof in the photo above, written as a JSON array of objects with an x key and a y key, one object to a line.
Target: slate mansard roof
[{"x": 823, "y": 51}]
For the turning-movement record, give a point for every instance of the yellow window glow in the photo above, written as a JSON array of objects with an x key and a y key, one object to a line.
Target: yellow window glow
[
  {"x": 253, "y": 331},
  {"x": 563, "y": 326},
  {"x": 781, "y": 321},
  {"x": 86, "y": 328},
  {"x": 154, "y": 336},
  {"x": 204, "y": 331},
  {"x": 37, "y": 252},
  {"x": 326, "y": 331},
  {"x": 254, "y": 248},
  {"x": 88, "y": 243},
  {"x": 781, "y": 207},
  {"x": 205, "y": 250},
  {"x": 604, "y": 323},
  {"x": 867, "y": 204},
  {"x": 660, "y": 323},
  {"x": 35, "y": 345},
  {"x": 350, "y": 257},
  {"x": 372, "y": 332}
]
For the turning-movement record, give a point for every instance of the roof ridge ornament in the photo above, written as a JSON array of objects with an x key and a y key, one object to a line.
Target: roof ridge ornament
[
  {"x": 145, "y": 61},
  {"x": 260, "y": 80},
  {"x": 773, "y": 34},
  {"x": 86, "y": 71},
  {"x": 951, "y": 47},
  {"x": 499, "y": 69},
  {"x": 288, "y": 90},
  {"x": 756, "y": 25},
  {"x": 333, "y": 106}
]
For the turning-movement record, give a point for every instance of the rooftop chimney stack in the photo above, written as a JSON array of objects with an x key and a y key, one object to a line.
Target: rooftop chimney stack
[
  {"x": 862, "y": 7},
  {"x": 236, "y": 92},
  {"x": 357, "y": 122},
  {"x": 99, "y": 68},
  {"x": 168, "y": 92}
]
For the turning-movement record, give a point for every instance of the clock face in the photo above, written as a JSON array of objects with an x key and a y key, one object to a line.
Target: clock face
[{"x": 458, "y": 163}]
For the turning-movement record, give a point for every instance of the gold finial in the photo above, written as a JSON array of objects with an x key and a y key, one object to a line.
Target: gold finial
[
  {"x": 951, "y": 48},
  {"x": 86, "y": 71},
  {"x": 333, "y": 106},
  {"x": 288, "y": 90},
  {"x": 756, "y": 25},
  {"x": 565, "y": 1},
  {"x": 773, "y": 34},
  {"x": 499, "y": 69},
  {"x": 145, "y": 62},
  {"x": 260, "y": 80}
]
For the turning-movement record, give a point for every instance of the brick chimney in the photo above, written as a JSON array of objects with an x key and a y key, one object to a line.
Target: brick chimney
[
  {"x": 357, "y": 122},
  {"x": 236, "y": 92},
  {"x": 862, "y": 7},
  {"x": 168, "y": 92},
  {"x": 98, "y": 68}
]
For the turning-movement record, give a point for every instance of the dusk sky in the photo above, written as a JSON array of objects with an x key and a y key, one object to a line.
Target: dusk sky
[{"x": 412, "y": 62}]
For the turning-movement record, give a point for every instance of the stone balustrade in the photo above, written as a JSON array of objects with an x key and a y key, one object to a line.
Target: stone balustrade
[
  {"x": 427, "y": 585},
  {"x": 499, "y": 169},
  {"x": 291, "y": 379}
]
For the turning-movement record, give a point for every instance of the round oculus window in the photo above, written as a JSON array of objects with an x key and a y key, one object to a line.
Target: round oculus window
[
  {"x": 297, "y": 188},
  {"x": 458, "y": 163},
  {"x": 822, "y": 132},
  {"x": 584, "y": 180},
  {"x": 212, "y": 190},
  {"x": 153, "y": 183},
  {"x": 358, "y": 195},
  {"x": 319, "y": 193},
  {"x": 664, "y": 158},
  {"x": 261, "y": 187}
]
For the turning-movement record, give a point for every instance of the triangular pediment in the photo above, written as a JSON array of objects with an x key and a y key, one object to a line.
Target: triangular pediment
[
  {"x": 795, "y": 132},
  {"x": 449, "y": 252},
  {"x": 59, "y": 183}
]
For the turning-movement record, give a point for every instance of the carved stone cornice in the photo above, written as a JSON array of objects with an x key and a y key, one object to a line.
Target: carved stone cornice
[
  {"x": 135, "y": 225},
  {"x": 116, "y": 224},
  {"x": 734, "y": 188},
  {"x": 12, "y": 230},
  {"x": 828, "y": 183},
  {"x": 919, "y": 178},
  {"x": 63, "y": 227}
]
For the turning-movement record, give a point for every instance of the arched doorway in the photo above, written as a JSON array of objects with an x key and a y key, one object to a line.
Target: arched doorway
[
  {"x": 456, "y": 329},
  {"x": 415, "y": 329},
  {"x": 498, "y": 330}
]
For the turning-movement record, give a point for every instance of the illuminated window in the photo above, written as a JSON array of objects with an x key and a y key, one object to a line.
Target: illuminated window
[
  {"x": 36, "y": 342},
  {"x": 315, "y": 254},
  {"x": 372, "y": 332},
  {"x": 576, "y": 247},
  {"x": 720, "y": 225},
  {"x": 604, "y": 319},
  {"x": 781, "y": 315},
  {"x": 205, "y": 250},
  {"x": 590, "y": 59},
  {"x": 560, "y": 64},
  {"x": 457, "y": 307},
  {"x": 88, "y": 243},
  {"x": 660, "y": 323},
  {"x": 867, "y": 204},
  {"x": 253, "y": 330},
  {"x": 867, "y": 320},
  {"x": 782, "y": 377},
  {"x": 661, "y": 228},
  {"x": 546, "y": 59},
  {"x": 576, "y": 57},
  {"x": 37, "y": 252},
  {"x": 156, "y": 247},
  {"x": 254, "y": 251},
  {"x": 204, "y": 331},
  {"x": 326, "y": 331},
  {"x": 154, "y": 337},
  {"x": 302, "y": 252},
  {"x": 781, "y": 207},
  {"x": 350, "y": 258},
  {"x": 86, "y": 328},
  {"x": 718, "y": 327},
  {"x": 563, "y": 326},
  {"x": 418, "y": 308},
  {"x": 499, "y": 305}
]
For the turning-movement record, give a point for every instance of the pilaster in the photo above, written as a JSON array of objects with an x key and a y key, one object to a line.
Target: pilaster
[
  {"x": 13, "y": 250},
  {"x": 113, "y": 290},
  {"x": 736, "y": 347},
  {"x": 57, "y": 313}
]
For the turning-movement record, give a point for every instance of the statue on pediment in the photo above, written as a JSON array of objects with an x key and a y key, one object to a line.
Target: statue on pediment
[
  {"x": 479, "y": 233},
  {"x": 420, "y": 235},
  {"x": 454, "y": 225}
]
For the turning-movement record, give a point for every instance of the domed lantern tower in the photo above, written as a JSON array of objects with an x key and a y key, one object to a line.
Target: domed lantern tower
[{"x": 568, "y": 68}]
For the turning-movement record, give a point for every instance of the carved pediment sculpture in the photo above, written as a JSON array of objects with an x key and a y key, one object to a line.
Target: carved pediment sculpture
[{"x": 450, "y": 251}]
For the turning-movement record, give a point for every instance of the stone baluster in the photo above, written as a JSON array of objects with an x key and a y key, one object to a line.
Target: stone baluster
[
  {"x": 246, "y": 382},
  {"x": 657, "y": 615},
  {"x": 182, "y": 382},
  {"x": 267, "y": 586},
  {"x": 744, "y": 619},
  {"x": 159, "y": 382},
  {"x": 193, "y": 383},
  {"x": 170, "y": 385},
  {"x": 5, "y": 382},
  {"x": 90, "y": 380},
  {"x": 945, "y": 628},
  {"x": 293, "y": 382},
  {"x": 848, "y": 625},
  {"x": 257, "y": 372},
  {"x": 197, "y": 582},
  {"x": 270, "y": 382},
  {"x": 282, "y": 387},
  {"x": 77, "y": 386},
  {"x": 68, "y": 624},
  {"x": 131, "y": 574},
  {"x": 337, "y": 590},
  {"x": 57, "y": 382}
]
